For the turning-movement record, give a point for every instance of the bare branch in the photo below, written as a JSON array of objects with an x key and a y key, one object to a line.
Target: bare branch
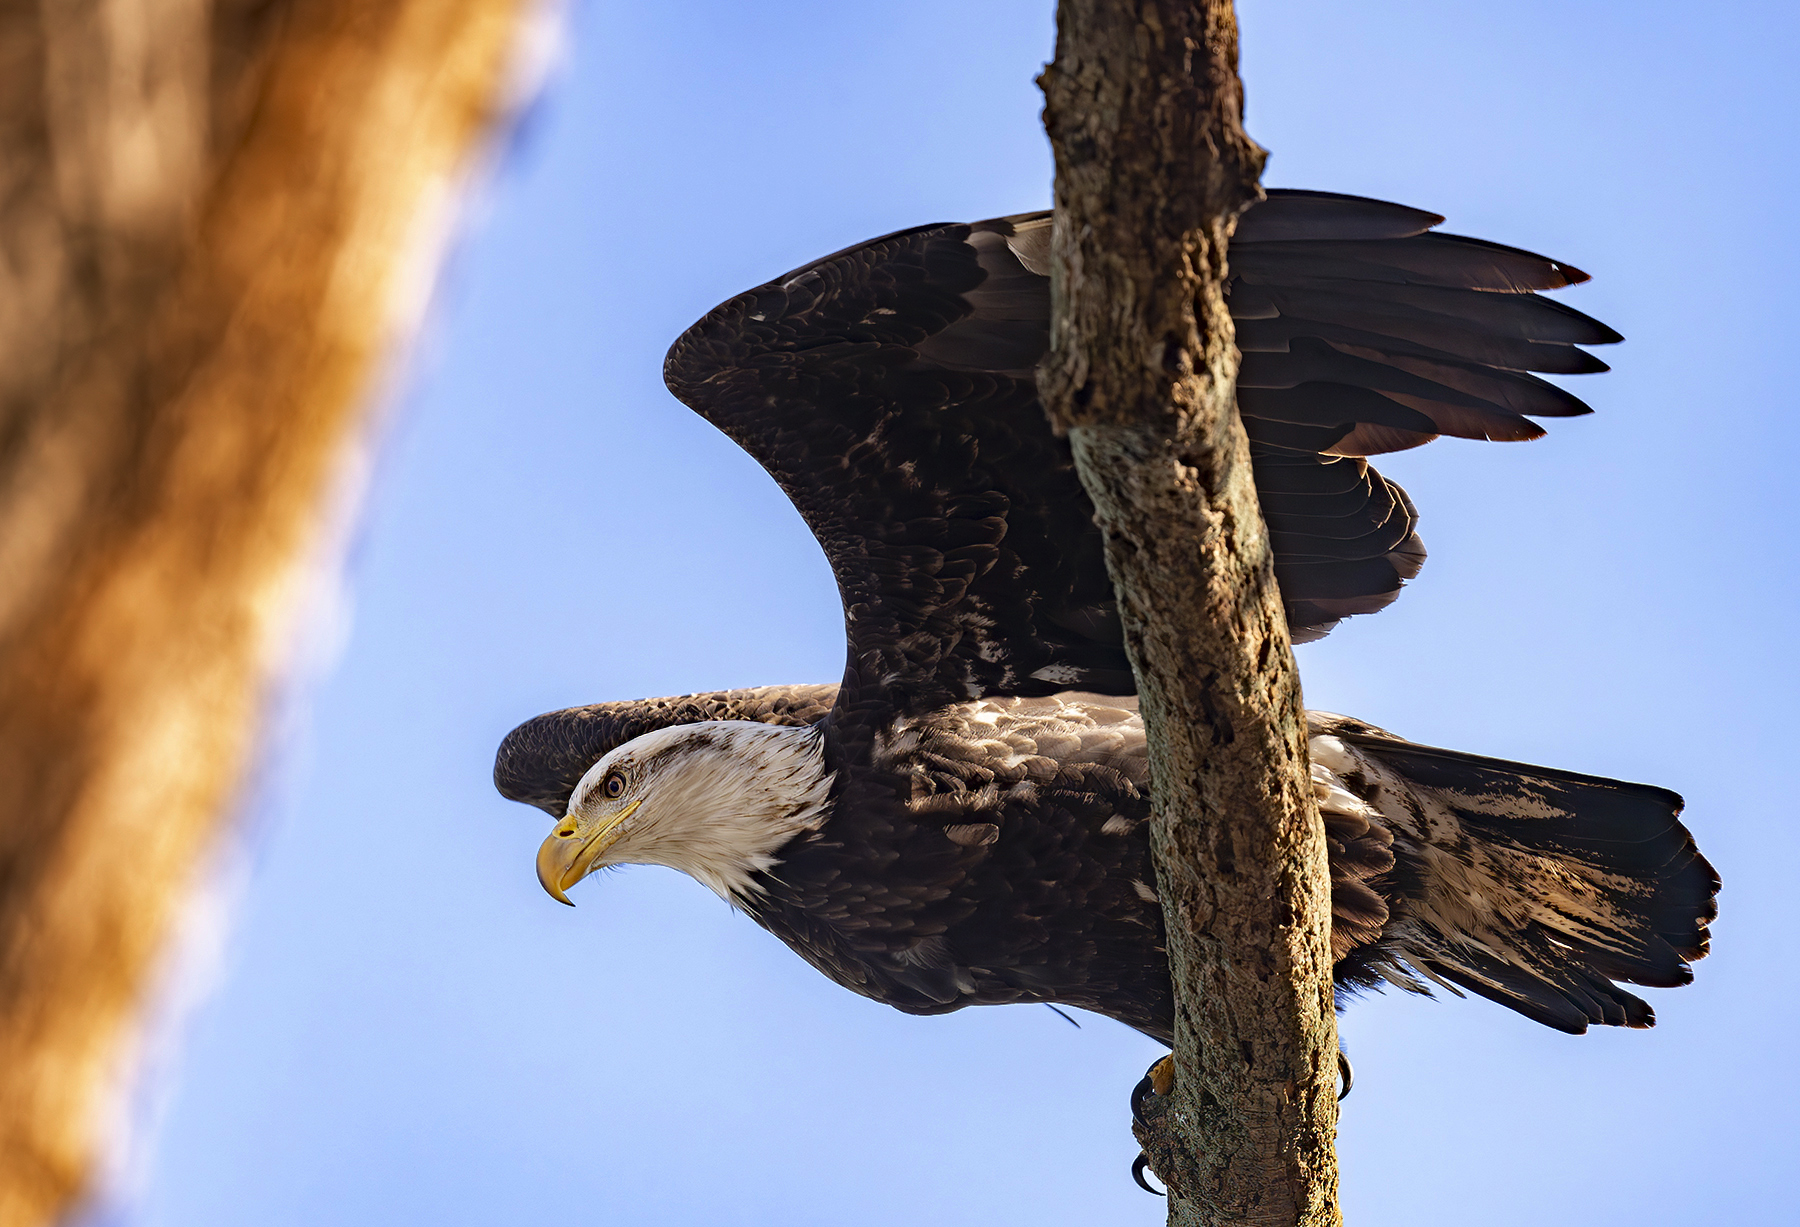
[{"x": 1143, "y": 107}]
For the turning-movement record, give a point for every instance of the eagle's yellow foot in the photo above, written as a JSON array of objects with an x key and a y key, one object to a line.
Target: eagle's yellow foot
[{"x": 1158, "y": 1080}]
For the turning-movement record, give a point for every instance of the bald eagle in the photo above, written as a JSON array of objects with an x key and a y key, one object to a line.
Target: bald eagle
[{"x": 962, "y": 820}]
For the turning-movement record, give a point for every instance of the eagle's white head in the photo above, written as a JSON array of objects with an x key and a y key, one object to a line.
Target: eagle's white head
[{"x": 714, "y": 799}]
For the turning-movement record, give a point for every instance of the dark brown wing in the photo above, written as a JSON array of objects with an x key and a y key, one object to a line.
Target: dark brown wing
[
  {"x": 962, "y": 542},
  {"x": 1360, "y": 334},
  {"x": 888, "y": 389},
  {"x": 1355, "y": 321}
]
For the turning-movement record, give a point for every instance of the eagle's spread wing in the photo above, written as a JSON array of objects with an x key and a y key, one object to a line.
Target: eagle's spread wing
[
  {"x": 888, "y": 389},
  {"x": 960, "y": 536}
]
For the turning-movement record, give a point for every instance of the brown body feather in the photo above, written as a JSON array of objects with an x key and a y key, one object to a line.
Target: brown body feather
[{"x": 997, "y": 852}]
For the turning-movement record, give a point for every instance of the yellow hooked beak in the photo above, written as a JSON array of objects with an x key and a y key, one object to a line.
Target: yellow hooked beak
[{"x": 566, "y": 856}]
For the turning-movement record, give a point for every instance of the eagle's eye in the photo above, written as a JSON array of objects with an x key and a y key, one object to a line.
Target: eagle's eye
[{"x": 613, "y": 784}]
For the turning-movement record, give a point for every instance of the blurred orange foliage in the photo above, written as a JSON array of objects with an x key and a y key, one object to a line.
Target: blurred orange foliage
[{"x": 215, "y": 219}]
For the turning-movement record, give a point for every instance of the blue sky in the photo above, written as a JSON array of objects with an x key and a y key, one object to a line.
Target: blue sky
[{"x": 404, "y": 1029}]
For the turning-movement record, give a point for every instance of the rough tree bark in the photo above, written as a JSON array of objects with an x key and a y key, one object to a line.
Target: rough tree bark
[
  {"x": 210, "y": 225},
  {"x": 1144, "y": 111}
]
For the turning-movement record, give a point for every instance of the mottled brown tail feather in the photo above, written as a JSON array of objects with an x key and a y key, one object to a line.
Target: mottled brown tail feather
[{"x": 1611, "y": 880}]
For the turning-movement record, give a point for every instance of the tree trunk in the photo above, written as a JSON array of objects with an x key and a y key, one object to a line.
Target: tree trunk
[
  {"x": 209, "y": 236},
  {"x": 1143, "y": 106}
]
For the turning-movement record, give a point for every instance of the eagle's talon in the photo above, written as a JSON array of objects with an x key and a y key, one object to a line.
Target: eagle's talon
[
  {"x": 1142, "y": 1091},
  {"x": 1139, "y": 1166},
  {"x": 1346, "y": 1075}
]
